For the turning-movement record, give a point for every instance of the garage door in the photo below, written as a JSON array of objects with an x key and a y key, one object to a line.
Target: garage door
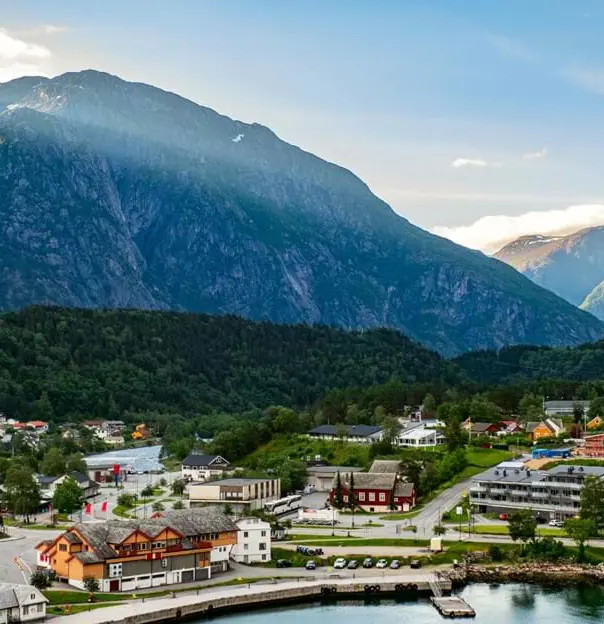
[
  {"x": 158, "y": 579},
  {"x": 201, "y": 574},
  {"x": 187, "y": 576},
  {"x": 128, "y": 585},
  {"x": 143, "y": 582}
]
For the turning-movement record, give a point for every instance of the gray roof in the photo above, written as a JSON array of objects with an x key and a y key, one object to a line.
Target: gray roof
[
  {"x": 356, "y": 431},
  {"x": 566, "y": 404},
  {"x": 190, "y": 522},
  {"x": 73, "y": 538},
  {"x": 144, "y": 458},
  {"x": 12, "y": 596},
  {"x": 385, "y": 466},
  {"x": 87, "y": 556},
  {"x": 510, "y": 475},
  {"x": 368, "y": 481},
  {"x": 404, "y": 489},
  {"x": 327, "y": 470},
  {"x": 591, "y": 471},
  {"x": 198, "y": 460}
]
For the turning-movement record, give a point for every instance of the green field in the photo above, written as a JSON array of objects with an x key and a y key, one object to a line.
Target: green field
[{"x": 502, "y": 529}]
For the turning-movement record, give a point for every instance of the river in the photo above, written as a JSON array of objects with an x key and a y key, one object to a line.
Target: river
[{"x": 503, "y": 604}]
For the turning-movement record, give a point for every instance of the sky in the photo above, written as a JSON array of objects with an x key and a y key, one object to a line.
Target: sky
[{"x": 480, "y": 120}]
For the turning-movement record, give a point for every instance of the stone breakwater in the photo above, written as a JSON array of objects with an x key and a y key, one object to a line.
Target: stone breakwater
[{"x": 538, "y": 573}]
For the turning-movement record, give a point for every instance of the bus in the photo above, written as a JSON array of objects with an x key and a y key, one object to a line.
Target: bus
[{"x": 284, "y": 505}]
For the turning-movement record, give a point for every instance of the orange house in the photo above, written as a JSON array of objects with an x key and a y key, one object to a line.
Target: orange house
[
  {"x": 129, "y": 555},
  {"x": 550, "y": 428}
]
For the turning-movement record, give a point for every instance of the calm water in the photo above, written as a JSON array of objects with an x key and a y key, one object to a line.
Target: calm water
[{"x": 506, "y": 604}]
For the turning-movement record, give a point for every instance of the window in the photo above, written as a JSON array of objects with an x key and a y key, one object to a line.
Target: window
[
  {"x": 32, "y": 596},
  {"x": 382, "y": 497},
  {"x": 262, "y": 546},
  {"x": 63, "y": 547},
  {"x": 371, "y": 496},
  {"x": 26, "y": 610},
  {"x": 245, "y": 547},
  {"x": 346, "y": 498},
  {"x": 246, "y": 534},
  {"x": 361, "y": 496},
  {"x": 263, "y": 533},
  {"x": 164, "y": 563},
  {"x": 115, "y": 569},
  {"x": 263, "y": 557}
]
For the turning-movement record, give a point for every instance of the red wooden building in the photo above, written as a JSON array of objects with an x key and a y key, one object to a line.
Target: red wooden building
[
  {"x": 594, "y": 445},
  {"x": 376, "y": 492}
]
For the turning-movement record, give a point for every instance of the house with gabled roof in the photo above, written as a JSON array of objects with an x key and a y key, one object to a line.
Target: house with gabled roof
[
  {"x": 200, "y": 467},
  {"x": 21, "y": 603},
  {"x": 125, "y": 555}
]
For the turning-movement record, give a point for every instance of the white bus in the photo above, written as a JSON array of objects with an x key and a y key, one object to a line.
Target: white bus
[{"x": 284, "y": 506}]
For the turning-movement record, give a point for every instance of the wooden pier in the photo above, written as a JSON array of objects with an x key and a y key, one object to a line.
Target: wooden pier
[{"x": 453, "y": 607}]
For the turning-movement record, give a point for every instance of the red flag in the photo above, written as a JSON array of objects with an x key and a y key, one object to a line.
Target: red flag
[
  {"x": 88, "y": 509},
  {"x": 104, "y": 506}
]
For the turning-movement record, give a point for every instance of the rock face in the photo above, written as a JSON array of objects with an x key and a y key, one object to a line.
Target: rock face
[
  {"x": 570, "y": 266},
  {"x": 115, "y": 194}
]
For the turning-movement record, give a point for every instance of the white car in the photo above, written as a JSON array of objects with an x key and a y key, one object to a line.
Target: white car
[
  {"x": 339, "y": 563},
  {"x": 382, "y": 563},
  {"x": 556, "y": 523}
]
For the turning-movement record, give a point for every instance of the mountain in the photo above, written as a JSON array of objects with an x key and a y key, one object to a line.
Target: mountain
[
  {"x": 108, "y": 363},
  {"x": 570, "y": 266},
  {"x": 117, "y": 194}
]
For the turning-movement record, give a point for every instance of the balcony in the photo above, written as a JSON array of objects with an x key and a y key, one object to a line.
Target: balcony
[{"x": 520, "y": 493}]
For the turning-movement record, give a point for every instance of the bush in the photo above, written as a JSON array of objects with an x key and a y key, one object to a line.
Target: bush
[
  {"x": 40, "y": 580},
  {"x": 91, "y": 584},
  {"x": 126, "y": 500},
  {"x": 495, "y": 553}
]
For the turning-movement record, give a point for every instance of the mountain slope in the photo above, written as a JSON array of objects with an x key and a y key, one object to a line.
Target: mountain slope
[
  {"x": 570, "y": 266},
  {"x": 116, "y": 194}
]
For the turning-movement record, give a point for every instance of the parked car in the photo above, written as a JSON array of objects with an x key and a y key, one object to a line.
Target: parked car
[
  {"x": 311, "y": 565},
  {"x": 339, "y": 563},
  {"x": 353, "y": 564},
  {"x": 415, "y": 564},
  {"x": 382, "y": 563},
  {"x": 395, "y": 564},
  {"x": 368, "y": 563},
  {"x": 284, "y": 563},
  {"x": 503, "y": 516},
  {"x": 556, "y": 523}
]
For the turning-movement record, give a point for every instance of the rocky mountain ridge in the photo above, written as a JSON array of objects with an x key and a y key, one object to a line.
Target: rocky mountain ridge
[
  {"x": 571, "y": 266},
  {"x": 117, "y": 194}
]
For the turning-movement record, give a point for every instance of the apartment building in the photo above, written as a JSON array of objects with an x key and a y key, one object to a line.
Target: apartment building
[
  {"x": 179, "y": 547},
  {"x": 253, "y": 541},
  {"x": 554, "y": 493},
  {"x": 241, "y": 495}
]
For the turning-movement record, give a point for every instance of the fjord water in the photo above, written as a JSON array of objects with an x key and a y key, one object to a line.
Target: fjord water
[{"x": 502, "y": 604}]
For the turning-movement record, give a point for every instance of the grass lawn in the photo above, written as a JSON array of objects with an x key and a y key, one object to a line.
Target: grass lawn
[
  {"x": 401, "y": 516},
  {"x": 502, "y": 529},
  {"x": 74, "y": 609},
  {"x": 485, "y": 458},
  {"x": 309, "y": 540},
  {"x": 62, "y": 597},
  {"x": 123, "y": 512}
]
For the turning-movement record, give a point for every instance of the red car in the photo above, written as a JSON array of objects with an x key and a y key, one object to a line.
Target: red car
[{"x": 503, "y": 516}]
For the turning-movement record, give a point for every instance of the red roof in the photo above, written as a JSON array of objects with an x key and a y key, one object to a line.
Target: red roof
[{"x": 36, "y": 423}]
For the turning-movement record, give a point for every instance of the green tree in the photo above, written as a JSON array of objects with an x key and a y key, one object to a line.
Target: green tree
[
  {"x": 578, "y": 412},
  {"x": 455, "y": 435},
  {"x": 283, "y": 419},
  {"x": 127, "y": 500},
  {"x": 338, "y": 494},
  {"x": 391, "y": 427},
  {"x": 157, "y": 507},
  {"x": 178, "y": 505},
  {"x": 522, "y": 526},
  {"x": 91, "y": 584},
  {"x": 21, "y": 492},
  {"x": 592, "y": 502},
  {"x": 147, "y": 491},
  {"x": 580, "y": 531},
  {"x": 43, "y": 409},
  {"x": 67, "y": 497},
  {"x": 75, "y": 463},
  {"x": 178, "y": 487},
  {"x": 428, "y": 406},
  {"x": 39, "y": 580},
  {"x": 293, "y": 475},
  {"x": 352, "y": 497},
  {"x": 53, "y": 463},
  {"x": 596, "y": 408}
]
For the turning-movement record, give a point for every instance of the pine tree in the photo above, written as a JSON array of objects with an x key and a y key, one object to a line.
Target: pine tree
[{"x": 338, "y": 495}]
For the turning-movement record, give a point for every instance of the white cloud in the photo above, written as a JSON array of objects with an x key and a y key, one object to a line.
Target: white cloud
[
  {"x": 587, "y": 78},
  {"x": 535, "y": 155},
  {"x": 473, "y": 162},
  {"x": 20, "y": 58},
  {"x": 52, "y": 29},
  {"x": 12, "y": 48},
  {"x": 491, "y": 233}
]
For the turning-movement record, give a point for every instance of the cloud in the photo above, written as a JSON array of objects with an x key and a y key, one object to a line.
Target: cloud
[
  {"x": 490, "y": 233},
  {"x": 587, "y": 78},
  {"x": 12, "y": 48},
  {"x": 20, "y": 58},
  {"x": 535, "y": 155},
  {"x": 473, "y": 162},
  {"x": 52, "y": 29}
]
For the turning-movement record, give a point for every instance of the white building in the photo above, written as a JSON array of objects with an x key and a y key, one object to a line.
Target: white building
[
  {"x": 241, "y": 495},
  {"x": 198, "y": 467},
  {"x": 564, "y": 408},
  {"x": 420, "y": 436},
  {"x": 21, "y": 603},
  {"x": 360, "y": 434},
  {"x": 253, "y": 541}
]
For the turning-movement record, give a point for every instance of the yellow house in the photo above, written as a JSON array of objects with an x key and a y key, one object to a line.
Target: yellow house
[{"x": 595, "y": 422}]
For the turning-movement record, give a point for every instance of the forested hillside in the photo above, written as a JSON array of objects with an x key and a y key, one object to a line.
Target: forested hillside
[
  {"x": 583, "y": 363},
  {"x": 75, "y": 364}
]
